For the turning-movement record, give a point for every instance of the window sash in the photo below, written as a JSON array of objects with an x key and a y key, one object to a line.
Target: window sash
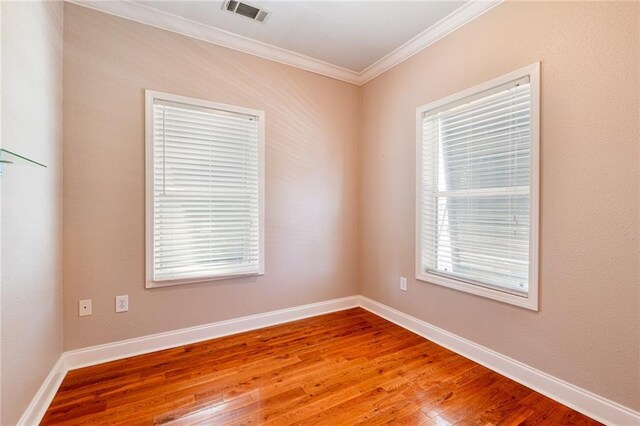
[
  {"x": 205, "y": 190},
  {"x": 481, "y": 208}
]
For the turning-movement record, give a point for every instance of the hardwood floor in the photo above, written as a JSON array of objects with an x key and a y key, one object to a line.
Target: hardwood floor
[{"x": 345, "y": 368}]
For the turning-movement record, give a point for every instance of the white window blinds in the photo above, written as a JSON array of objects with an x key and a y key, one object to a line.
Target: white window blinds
[
  {"x": 206, "y": 195},
  {"x": 475, "y": 189}
]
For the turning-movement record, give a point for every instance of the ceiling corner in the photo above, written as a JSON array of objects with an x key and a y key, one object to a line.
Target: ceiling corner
[{"x": 160, "y": 19}]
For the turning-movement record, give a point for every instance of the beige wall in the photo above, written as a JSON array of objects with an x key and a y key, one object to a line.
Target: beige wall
[
  {"x": 311, "y": 178},
  {"x": 336, "y": 200},
  {"x": 31, "y": 330},
  {"x": 588, "y": 328}
]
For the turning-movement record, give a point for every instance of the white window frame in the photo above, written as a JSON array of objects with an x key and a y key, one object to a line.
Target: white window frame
[
  {"x": 531, "y": 300},
  {"x": 150, "y": 96}
]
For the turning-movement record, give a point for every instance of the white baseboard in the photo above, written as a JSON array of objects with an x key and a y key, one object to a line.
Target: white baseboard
[
  {"x": 594, "y": 406},
  {"x": 117, "y": 350},
  {"x": 40, "y": 402},
  {"x": 155, "y": 342},
  {"x": 581, "y": 400}
]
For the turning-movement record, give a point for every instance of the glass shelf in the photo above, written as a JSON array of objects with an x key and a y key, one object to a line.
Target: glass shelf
[{"x": 8, "y": 157}]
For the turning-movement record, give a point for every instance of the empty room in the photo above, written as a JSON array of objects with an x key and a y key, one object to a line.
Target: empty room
[{"x": 345, "y": 212}]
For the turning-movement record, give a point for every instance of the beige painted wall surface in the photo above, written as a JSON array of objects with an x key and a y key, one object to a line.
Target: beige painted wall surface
[
  {"x": 311, "y": 178},
  {"x": 588, "y": 329},
  {"x": 31, "y": 331}
]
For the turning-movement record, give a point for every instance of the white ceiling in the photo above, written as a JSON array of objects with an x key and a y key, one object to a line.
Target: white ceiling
[
  {"x": 349, "y": 40},
  {"x": 348, "y": 34}
]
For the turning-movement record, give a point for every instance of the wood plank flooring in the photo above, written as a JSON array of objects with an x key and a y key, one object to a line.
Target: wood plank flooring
[{"x": 344, "y": 368}]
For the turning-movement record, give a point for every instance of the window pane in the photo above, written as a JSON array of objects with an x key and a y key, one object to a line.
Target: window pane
[
  {"x": 484, "y": 239},
  {"x": 475, "y": 190},
  {"x": 486, "y": 144},
  {"x": 206, "y": 192}
]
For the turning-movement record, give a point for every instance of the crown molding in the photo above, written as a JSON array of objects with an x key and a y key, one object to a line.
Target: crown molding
[
  {"x": 440, "y": 29},
  {"x": 167, "y": 21}
]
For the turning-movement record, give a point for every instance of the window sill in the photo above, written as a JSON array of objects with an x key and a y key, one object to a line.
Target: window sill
[
  {"x": 169, "y": 283},
  {"x": 529, "y": 302}
]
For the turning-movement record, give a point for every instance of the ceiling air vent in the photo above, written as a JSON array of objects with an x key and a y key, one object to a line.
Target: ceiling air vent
[{"x": 245, "y": 10}]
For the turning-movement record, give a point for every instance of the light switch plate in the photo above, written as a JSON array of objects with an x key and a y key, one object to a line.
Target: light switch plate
[{"x": 403, "y": 284}]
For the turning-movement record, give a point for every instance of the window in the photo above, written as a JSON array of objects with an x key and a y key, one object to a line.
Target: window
[
  {"x": 477, "y": 189},
  {"x": 205, "y": 186}
]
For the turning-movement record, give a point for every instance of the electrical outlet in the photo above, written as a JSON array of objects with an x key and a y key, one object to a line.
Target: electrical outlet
[
  {"x": 84, "y": 307},
  {"x": 403, "y": 284},
  {"x": 122, "y": 303}
]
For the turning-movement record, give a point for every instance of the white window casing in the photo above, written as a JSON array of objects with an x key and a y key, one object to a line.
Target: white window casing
[
  {"x": 204, "y": 190},
  {"x": 477, "y": 189}
]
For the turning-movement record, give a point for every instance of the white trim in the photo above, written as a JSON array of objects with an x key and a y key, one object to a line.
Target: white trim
[
  {"x": 588, "y": 403},
  {"x": 40, "y": 402},
  {"x": 529, "y": 301},
  {"x": 156, "y": 342},
  {"x": 459, "y": 17},
  {"x": 150, "y": 97},
  {"x": 167, "y": 21},
  {"x": 579, "y": 399},
  {"x": 534, "y": 190},
  {"x": 141, "y": 345}
]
